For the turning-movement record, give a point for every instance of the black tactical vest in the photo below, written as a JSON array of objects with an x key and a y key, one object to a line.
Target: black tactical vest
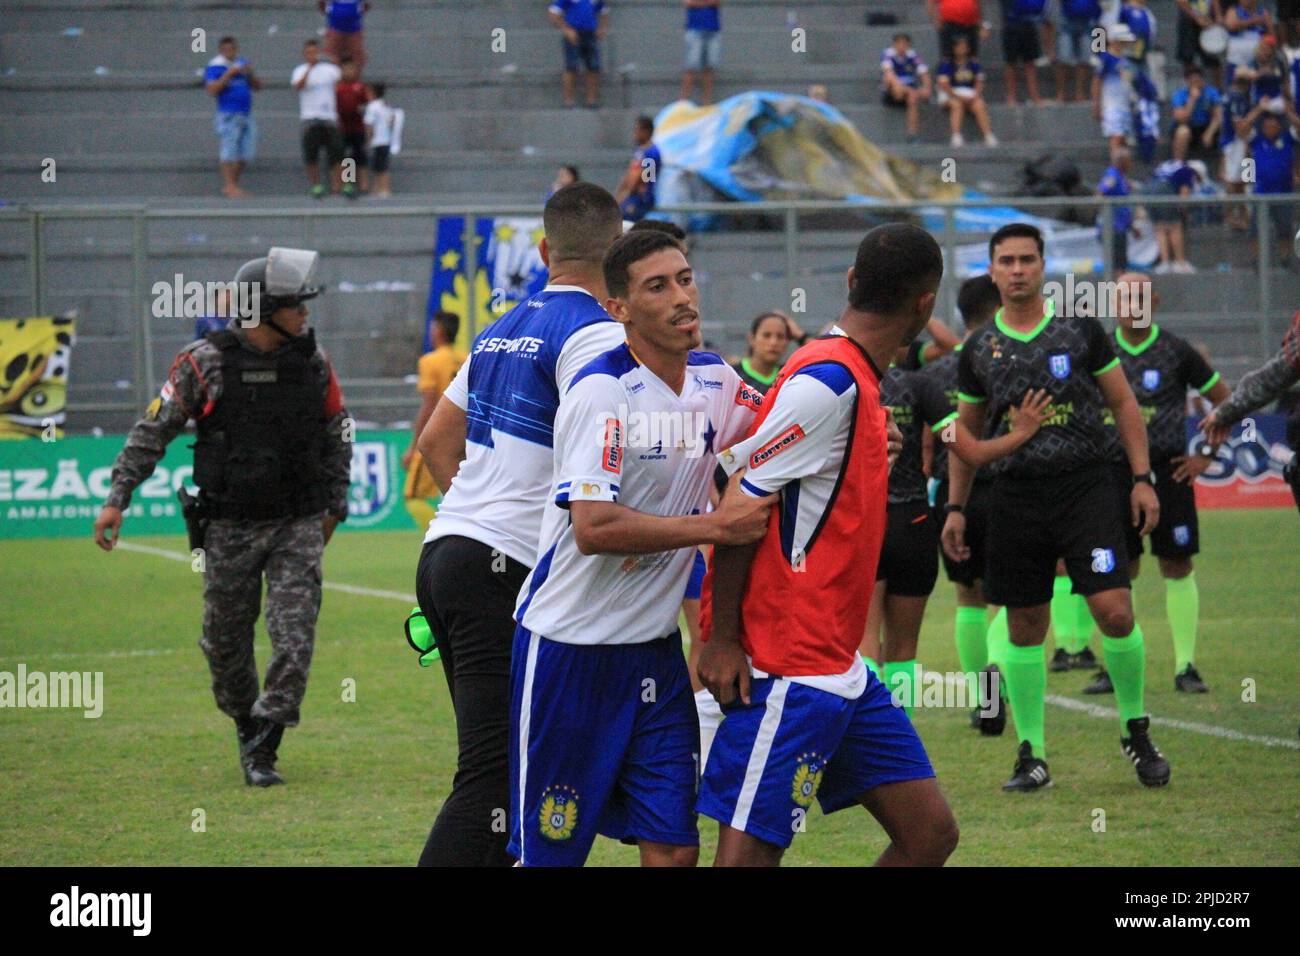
[{"x": 259, "y": 452}]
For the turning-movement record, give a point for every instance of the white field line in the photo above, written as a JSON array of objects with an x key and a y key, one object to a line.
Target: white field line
[{"x": 1195, "y": 727}]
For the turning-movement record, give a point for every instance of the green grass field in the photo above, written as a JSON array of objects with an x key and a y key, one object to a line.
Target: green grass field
[{"x": 365, "y": 779}]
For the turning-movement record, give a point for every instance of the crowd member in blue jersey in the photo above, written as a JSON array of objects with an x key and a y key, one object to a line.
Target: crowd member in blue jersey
[
  {"x": 231, "y": 80},
  {"x": 703, "y": 47},
  {"x": 582, "y": 23},
  {"x": 345, "y": 34}
]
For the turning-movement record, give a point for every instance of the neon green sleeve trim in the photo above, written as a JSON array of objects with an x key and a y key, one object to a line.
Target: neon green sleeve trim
[
  {"x": 1109, "y": 365},
  {"x": 973, "y": 399},
  {"x": 943, "y": 421},
  {"x": 1214, "y": 380}
]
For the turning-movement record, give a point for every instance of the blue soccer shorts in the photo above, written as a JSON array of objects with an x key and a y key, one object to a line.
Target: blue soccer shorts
[
  {"x": 604, "y": 739},
  {"x": 794, "y": 743}
]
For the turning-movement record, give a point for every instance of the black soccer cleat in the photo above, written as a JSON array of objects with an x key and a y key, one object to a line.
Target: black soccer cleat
[
  {"x": 257, "y": 752},
  {"x": 992, "y": 714},
  {"x": 1060, "y": 660},
  {"x": 1100, "y": 684},
  {"x": 1152, "y": 768},
  {"x": 1030, "y": 773},
  {"x": 1085, "y": 660},
  {"x": 1189, "y": 681}
]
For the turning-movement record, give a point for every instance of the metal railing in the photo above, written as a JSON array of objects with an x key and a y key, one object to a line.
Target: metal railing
[{"x": 37, "y": 220}]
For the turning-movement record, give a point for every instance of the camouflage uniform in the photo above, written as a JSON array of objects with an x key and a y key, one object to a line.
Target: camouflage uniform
[{"x": 238, "y": 552}]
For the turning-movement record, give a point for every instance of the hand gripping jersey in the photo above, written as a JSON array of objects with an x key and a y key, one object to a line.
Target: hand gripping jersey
[{"x": 819, "y": 442}]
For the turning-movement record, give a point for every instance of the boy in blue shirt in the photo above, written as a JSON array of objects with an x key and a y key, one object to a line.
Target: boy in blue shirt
[
  {"x": 1198, "y": 114},
  {"x": 230, "y": 79},
  {"x": 582, "y": 23},
  {"x": 703, "y": 47}
]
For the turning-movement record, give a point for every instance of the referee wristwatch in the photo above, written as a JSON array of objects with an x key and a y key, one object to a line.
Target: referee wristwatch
[
  {"x": 1148, "y": 478},
  {"x": 953, "y": 509}
]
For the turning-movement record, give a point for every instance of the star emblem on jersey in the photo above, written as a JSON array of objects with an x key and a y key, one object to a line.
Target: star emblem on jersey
[
  {"x": 1059, "y": 365},
  {"x": 559, "y": 814},
  {"x": 807, "y": 779},
  {"x": 710, "y": 433}
]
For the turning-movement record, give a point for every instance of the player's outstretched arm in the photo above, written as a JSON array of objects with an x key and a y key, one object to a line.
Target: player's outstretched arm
[
  {"x": 977, "y": 452},
  {"x": 1144, "y": 505}
]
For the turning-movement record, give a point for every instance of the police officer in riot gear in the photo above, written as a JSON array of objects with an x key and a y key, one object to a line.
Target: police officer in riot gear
[{"x": 271, "y": 460}]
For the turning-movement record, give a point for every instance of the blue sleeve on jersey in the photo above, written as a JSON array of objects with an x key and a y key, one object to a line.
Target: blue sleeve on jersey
[
  {"x": 615, "y": 363},
  {"x": 831, "y": 374},
  {"x": 704, "y": 358}
]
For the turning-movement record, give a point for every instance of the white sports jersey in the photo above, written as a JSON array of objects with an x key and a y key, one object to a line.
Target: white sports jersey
[
  {"x": 622, "y": 435},
  {"x": 510, "y": 388}
]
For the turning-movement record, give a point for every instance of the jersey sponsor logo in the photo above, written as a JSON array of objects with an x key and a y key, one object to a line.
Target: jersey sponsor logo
[
  {"x": 777, "y": 445},
  {"x": 748, "y": 397},
  {"x": 635, "y": 387},
  {"x": 1151, "y": 379},
  {"x": 1182, "y": 535},
  {"x": 612, "y": 459},
  {"x": 1103, "y": 560},
  {"x": 558, "y": 817},
  {"x": 525, "y": 344},
  {"x": 1059, "y": 365},
  {"x": 655, "y": 452},
  {"x": 706, "y": 385}
]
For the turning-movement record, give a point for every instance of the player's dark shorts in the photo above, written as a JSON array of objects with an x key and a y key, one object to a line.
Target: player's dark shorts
[
  {"x": 586, "y": 52},
  {"x": 1020, "y": 42},
  {"x": 320, "y": 135},
  {"x": 354, "y": 147},
  {"x": 949, "y": 32},
  {"x": 1178, "y": 534},
  {"x": 888, "y": 98},
  {"x": 909, "y": 559},
  {"x": 794, "y": 743},
  {"x": 1034, "y": 521},
  {"x": 971, "y": 570},
  {"x": 379, "y": 159}
]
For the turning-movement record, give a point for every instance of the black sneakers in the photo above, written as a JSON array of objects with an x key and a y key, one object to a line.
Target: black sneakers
[
  {"x": 1085, "y": 660},
  {"x": 1100, "y": 684},
  {"x": 1030, "y": 773},
  {"x": 258, "y": 741},
  {"x": 1152, "y": 768},
  {"x": 1061, "y": 660},
  {"x": 991, "y": 679},
  {"x": 1189, "y": 681}
]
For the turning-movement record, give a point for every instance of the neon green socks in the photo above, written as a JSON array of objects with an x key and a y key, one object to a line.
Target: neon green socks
[
  {"x": 972, "y": 645},
  {"x": 1064, "y": 616},
  {"x": 903, "y": 673},
  {"x": 1125, "y": 659},
  {"x": 999, "y": 638},
  {"x": 1025, "y": 672},
  {"x": 1183, "y": 605}
]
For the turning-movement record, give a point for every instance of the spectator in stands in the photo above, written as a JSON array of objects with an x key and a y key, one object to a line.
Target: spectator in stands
[
  {"x": 1074, "y": 45},
  {"x": 1198, "y": 116},
  {"x": 382, "y": 124},
  {"x": 1247, "y": 22},
  {"x": 231, "y": 80},
  {"x": 955, "y": 18},
  {"x": 1193, "y": 17},
  {"x": 1232, "y": 140},
  {"x": 703, "y": 47},
  {"x": 315, "y": 81},
  {"x": 564, "y": 176},
  {"x": 1112, "y": 87},
  {"x": 434, "y": 373},
  {"x": 962, "y": 81},
  {"x": 582, "y": 23},
  {"x": 906, "y": 81},
  {"x": 1021, "y": 46},
  {"x": 1135, "y": 15},
  {"x": 352, "y": 95},
  {"x": 1115, "y": 182},
  {"x": 1291, "y": 54},
  {"x": 345, "y": 34},
  {"x": 1173, "y": 177},
  {"x": 636, "y": 193},
  {"x": 1272, "y": 147},
  {"x": 1269, "y": 82}
]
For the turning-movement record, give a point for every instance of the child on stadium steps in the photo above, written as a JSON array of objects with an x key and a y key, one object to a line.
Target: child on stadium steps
[
  {"x": 804, "y": 719},
  {"x": 962, "y": 81},
  {"x": 906, "y": 81}
]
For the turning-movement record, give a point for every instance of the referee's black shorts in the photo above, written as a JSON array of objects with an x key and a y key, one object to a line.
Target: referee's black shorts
[
  {"x": 1034, "y": 521},
  {"x": 909, "y": 560},
  {"x": 1178, "y": 535},
  {"x": 967, "y": 572}
]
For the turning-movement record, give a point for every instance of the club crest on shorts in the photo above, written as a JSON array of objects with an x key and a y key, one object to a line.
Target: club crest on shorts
[
  {"x": 1059, "y": 365},
  {"x": 1103, "y": 560},
  {"x": 1151, "y": 379},
  {"x": 559, "y": 814},
  {"x": 1182, "y": 535},
  {"x": 807, "y": 779}
]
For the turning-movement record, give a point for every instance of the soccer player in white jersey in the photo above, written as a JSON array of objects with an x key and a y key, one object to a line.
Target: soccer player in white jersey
[
  {"x": 497, "y": 415},
  {"x": 604, "y": 735}
]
